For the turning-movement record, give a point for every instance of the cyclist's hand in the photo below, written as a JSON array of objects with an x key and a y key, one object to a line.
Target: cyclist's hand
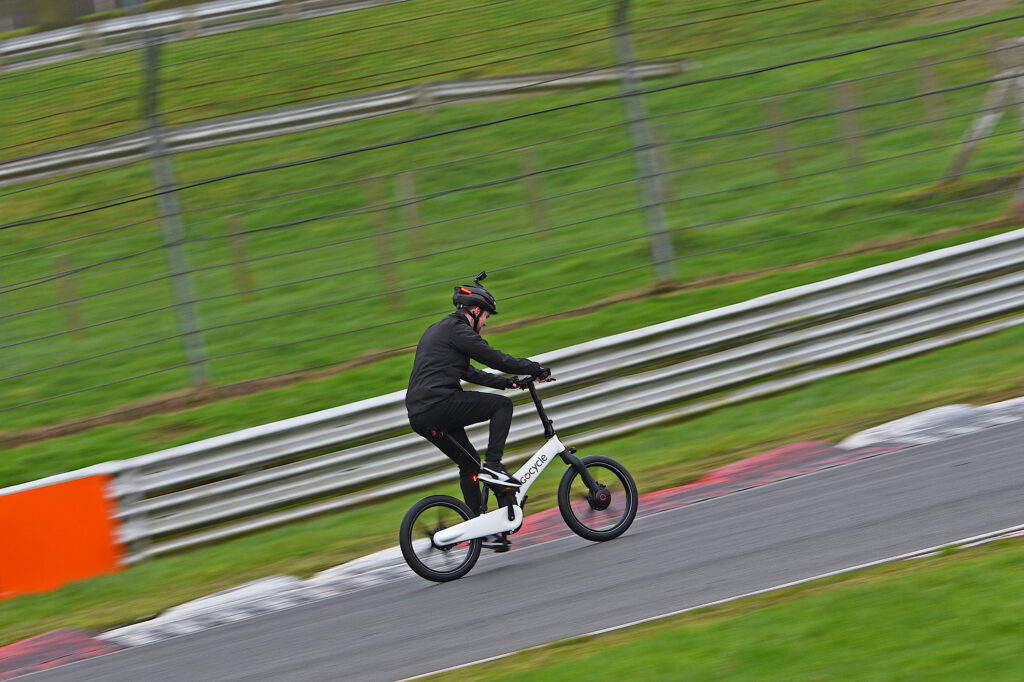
[
  {"x": 545, "y": 375},
  {"x": 513, "y": 382}
]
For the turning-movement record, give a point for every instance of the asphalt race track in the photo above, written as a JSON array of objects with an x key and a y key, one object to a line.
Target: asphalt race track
[{"x": 797, "y": 528}]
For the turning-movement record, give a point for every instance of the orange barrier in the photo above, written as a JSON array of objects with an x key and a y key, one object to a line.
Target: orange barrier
[{"x": 57, "y": 533}]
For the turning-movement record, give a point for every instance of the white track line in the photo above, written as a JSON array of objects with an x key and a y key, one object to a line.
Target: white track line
[{"x": 971, "y": 541}]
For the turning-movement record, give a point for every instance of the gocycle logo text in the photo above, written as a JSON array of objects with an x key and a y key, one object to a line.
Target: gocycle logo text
[{"x": 532, "y": 471}]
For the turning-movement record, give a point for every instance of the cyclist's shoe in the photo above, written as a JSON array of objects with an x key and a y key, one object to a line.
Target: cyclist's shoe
[
  {"x": 496, "y": 474},
  {"x": 498, "y": 542}
]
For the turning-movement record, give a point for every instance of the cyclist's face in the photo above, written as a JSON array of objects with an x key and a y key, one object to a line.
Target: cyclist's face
[{"x": 484, "y": 314}]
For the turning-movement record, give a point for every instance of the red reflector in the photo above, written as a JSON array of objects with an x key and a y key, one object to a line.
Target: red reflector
[{"x": 465, "y": 290}]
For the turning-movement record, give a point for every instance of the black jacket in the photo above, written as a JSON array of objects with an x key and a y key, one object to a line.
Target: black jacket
[{"x": 442, "y": 359}]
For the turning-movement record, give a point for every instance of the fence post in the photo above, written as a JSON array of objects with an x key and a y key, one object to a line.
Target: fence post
[
  {"x": 991, "y": 111},
  {"x": 1014, "y": 60},
  {"x": 663, "y": 154},
  {"x": 662, "y": 252},
  {"x": 933, "y": 104},
  {"x": 385, "y": 255},
  {"x": 240, "y": 257},
  {"x": 170, "y": 217},
  {"x": 847, "y": 100},
  {"x": 69, "y": 294},
  {"x": 535, "y": 191},
  {"x": 409, "y": 211},
  {"x": 780, "y": 158}
]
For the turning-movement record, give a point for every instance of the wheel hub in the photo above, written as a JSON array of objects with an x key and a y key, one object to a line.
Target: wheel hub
[
  {"x": 599, "y": 499},
  {"x": 443, "y": 548}
]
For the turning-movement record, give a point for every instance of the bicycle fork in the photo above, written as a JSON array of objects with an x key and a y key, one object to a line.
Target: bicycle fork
[{"x": 569, "y": 457}]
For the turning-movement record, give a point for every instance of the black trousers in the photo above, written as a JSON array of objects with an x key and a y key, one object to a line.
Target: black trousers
[{"x": 451, "y": 416}]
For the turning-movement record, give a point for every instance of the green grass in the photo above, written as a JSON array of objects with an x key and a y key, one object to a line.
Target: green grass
[
  {"x": 310, "y": 304},
  {"x": 386, "y": 47},
  {"x": 956, "y": 617},
  {"x": 978, "y": 371},
  {"x": 144, "y": 435}
]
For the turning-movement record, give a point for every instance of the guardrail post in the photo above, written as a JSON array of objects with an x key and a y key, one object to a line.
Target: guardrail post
[
  {"x": 170, "y": 217},
  {"x": 91, "y": 40},
  {"x": 662, "y": 252},
  {"x": 190, "y": 24},
  {"x": 134, "y": 529}
]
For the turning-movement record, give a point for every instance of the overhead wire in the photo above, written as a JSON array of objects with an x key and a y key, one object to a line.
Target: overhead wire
[
  {"x": 464, "y": 56},
  {"x": 387, "y": 205},
  {"x": 575, "y": 134},
  {"x": 575, "y": 283},
  {"x": 235, "y": 53},
  {"x": 318, "y": 65},
  {"x": 533, "y": 233},
  {"x": 674, "y": 171},
  {"x": 564, "y": 107},
  {"x": 854, "y": 79},
  {"x": 702, "y": 138},
  {"x": 76, "y": 61},
  {"x": 545, "y": 291},
  {"x": 418, "y": 77}
]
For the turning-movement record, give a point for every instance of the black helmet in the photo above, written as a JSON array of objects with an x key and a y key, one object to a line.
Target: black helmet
[{"x": 472, "y": 295}]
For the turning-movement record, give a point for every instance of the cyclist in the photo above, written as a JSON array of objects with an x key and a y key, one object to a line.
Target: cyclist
[{"x": 437, "y": 404}]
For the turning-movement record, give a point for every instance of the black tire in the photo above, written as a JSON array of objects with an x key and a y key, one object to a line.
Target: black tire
[
  {"x": 425, "y": 518},
  {"x": 593, "y": 517}
]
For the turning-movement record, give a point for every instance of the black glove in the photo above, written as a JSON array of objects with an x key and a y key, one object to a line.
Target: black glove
[
  {"x": 544, "y": 373},
  {"x": 512, "y": 382}
]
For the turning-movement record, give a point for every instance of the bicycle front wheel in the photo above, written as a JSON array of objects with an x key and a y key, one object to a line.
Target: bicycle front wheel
[
  {"x": 421, "y": 522},
  {"x": 600, "y": 514}
]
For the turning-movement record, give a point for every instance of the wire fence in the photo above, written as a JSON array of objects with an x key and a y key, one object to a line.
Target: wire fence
[{"x": 828, "y": 127}]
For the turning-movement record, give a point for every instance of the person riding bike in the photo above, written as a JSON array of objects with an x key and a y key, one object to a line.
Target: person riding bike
[{"x": 437, "y": 405}]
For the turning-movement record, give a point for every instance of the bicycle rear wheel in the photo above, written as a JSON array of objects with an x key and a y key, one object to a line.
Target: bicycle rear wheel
[
  {"x": 602, "y": 514},
  {"x": 421, "y": 522}
]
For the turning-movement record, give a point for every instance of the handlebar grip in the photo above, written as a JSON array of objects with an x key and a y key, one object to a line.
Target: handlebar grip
[{"x": 522, "y": 381}]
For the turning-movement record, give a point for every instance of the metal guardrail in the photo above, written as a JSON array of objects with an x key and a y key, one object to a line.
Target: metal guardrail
[
  {"x": 228, "y": 130},
  {"x": 191, "y": 21},
  {"x": 344, "y": 456}
]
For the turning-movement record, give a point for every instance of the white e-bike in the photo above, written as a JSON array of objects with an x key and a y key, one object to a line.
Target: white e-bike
[{"x": 440, "y": 537}]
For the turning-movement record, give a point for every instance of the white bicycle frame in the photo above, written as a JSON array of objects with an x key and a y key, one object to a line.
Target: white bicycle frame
[{"x": 498, "y": 521}]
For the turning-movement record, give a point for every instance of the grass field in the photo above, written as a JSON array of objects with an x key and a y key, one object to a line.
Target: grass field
[
  {"x": 316, "y": 294},
  {"x": 951, "y": 617},
  {"x": 979, "y": 371},
  {"x": 142, "y": 435},
  {"x": 318, "y": 298}
]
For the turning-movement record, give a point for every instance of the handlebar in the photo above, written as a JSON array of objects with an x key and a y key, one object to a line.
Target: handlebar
[{"x": 524, "y": 382}]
